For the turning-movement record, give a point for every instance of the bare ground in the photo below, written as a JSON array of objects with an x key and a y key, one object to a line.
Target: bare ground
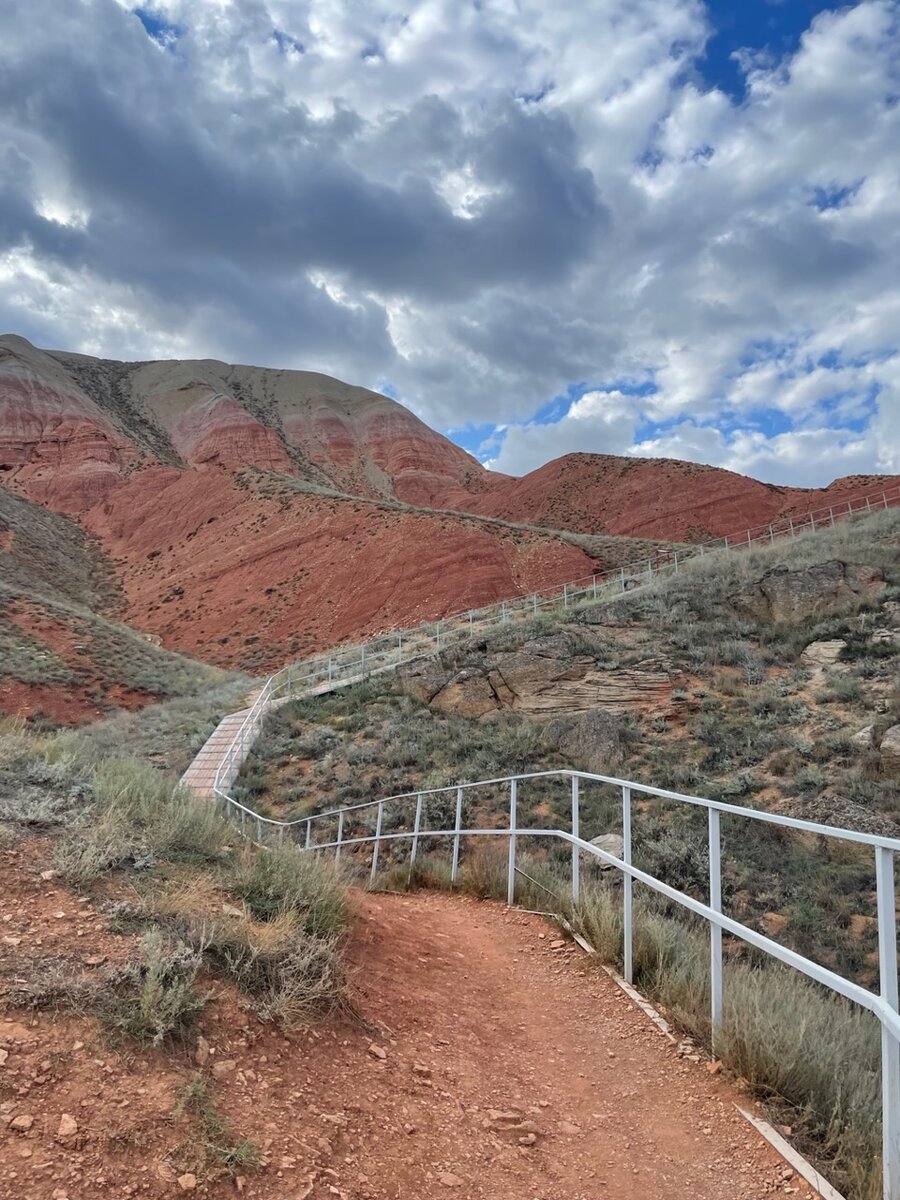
[{"x": 475, "y": 1013}]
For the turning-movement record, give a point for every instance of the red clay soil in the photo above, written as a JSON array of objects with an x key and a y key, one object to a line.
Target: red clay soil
[
  {"x": 656, "y": 498},
  {"x": 467, "y": 1012},
  {"x": 222, "y": 571}
]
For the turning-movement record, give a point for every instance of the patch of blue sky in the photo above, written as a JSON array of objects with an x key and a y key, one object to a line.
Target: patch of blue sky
[
  {"x": 834, "y": 196},
  {"x": 287, "y": 44},
  {"x": 767, "y": 28},
  {"x": 164, "y": 33}
]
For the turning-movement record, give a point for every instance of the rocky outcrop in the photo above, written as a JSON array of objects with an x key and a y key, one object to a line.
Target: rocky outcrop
[
  {"x": 890, "y": 751},
  {"x": 818, "y": 656},
  {"x": 544, "y": 677},
  {"x": 829, "y": 808},
  {"x": 791, "y": 595},
  {"x": 591, "y": 742}
]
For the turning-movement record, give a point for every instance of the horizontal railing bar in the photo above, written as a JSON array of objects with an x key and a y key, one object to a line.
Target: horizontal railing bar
[
  {"x": 757, "y": 814},
  {"x": 837, "y": 983}
]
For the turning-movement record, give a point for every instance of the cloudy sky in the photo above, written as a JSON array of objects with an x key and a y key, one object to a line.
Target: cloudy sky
[{"x": 662, "y": 227}]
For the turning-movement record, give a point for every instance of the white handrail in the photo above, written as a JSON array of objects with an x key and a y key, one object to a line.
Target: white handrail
[{"x": 883, "y": 1005}]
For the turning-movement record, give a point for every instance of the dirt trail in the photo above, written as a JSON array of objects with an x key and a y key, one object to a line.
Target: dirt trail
[
  {"x": 477, "y": 996},
  {"x": 466, "y": 1008}
]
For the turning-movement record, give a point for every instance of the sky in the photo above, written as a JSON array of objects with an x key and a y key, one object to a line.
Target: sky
[{"x": 651, "y": 227}]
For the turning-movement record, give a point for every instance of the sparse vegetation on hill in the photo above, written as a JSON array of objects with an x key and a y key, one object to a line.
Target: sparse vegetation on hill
[
  {"x": 167, "y": 866},
  {"x": 767, "y": 679},
  {"x": 63, "y": 657}
]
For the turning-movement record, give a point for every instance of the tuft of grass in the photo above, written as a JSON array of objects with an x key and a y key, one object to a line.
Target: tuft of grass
[
  {"x": 154, "y": 999},
  {"x": 286, "y": 880},
  {"x": 137, "y": 816},
  {"x": 216, "y": 1151}
]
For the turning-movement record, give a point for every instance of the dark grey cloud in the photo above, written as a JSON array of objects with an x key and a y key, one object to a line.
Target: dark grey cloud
[{"x": 255, "y": 184}]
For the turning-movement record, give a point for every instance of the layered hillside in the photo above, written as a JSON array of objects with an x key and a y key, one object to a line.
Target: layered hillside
[
  {"x": 249, "y": 515},
  {"x": 72, "y": 428},
  {"x": 63, "y": 655},
  {"x": 656, "y": 497}
]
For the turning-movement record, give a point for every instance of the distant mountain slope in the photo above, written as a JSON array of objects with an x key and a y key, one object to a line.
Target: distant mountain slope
[
  {"x": 73, "y": 427},
  {"x": 250, "y": 516},
  {"x": 655, "y": 497}
]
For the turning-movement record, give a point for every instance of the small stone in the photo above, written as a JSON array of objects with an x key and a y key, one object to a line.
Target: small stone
[
  {"x": 231, "y": 910},
  {"x": 12, "y": 941},
  {"x": 22, "y": 1124},
  {"x": 68, "y": 1127},
  {"x": 569, "y": 1128},
  {"x": 424, "y": 1072},
  {"x": 225, "y": 1067},
  {"x": 48, "y": 875},
  {"x": 528, "y": 1139},
  {"x": 377, "y": 1052},
  {"x": 4, "y": 1055},
  {"x": 410, "y": 1129},
  {"x": 201, "y": 1054},
  {"x": 714, "y": 1067},
  {"x": 558, "y": 944},
  {"x": 187, "y": 1182},
  {"x": 448, "y": 1179}
]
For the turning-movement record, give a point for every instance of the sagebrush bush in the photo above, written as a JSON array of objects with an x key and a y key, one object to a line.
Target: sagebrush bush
[
  {"x": 287, "y": 880},
  {"x": 155, "y": 998}
]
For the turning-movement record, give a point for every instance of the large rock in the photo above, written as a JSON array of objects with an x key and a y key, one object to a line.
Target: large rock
[
  {"x": 890, "y": 751},
  {"x": 544, "y": 677},
  {"x": 819, "y": 655},
  {"x": 792, "y": 595},
  {"x": 591, "y": 742}
]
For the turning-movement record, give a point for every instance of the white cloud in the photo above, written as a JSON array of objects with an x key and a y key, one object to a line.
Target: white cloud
[{"x": 483, "y": 205}]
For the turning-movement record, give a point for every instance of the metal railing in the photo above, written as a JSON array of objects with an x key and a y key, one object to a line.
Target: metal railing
[
  {"x": 355, "y": 662},
  {"x": 403, "y": 818}
]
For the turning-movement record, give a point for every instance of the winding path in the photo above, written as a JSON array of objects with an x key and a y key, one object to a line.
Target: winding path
[{"x": 481, "y": 1008}]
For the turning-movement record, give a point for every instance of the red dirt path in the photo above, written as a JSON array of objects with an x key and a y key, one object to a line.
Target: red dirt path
[{"x": 474, "y": 1010}]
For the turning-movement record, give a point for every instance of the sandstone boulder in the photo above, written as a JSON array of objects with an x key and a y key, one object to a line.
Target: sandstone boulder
[
  {"x": 591, "y": 741},
  {"x": 863, "y": 739},
  {"x": 890, "y": 750},
  {"x": 792, "y": 595},
  {"x": 613, "y": 844},
  {"x": 819, "y": 655}
]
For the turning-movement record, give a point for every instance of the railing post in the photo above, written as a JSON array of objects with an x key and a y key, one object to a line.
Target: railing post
[
  {"x": 884, "y": 499},
  {"x": 715, "y": 931},
  {"x": 377, "y": 842},
  {"x": 340, "y": 836},
  {"x": 594, "y": 581},
  {"x": 511, "y": 868},
  {"x": 868, "y": 505},
  {"x": 330, "y": 668},
  {"x": 503, "y": 613},
  {"x": 454, "y": 871},
  {"x": 416, "y": 827},
  {"x": 308, "y": 832},
  {"x": 622, "y": 577},
  {"x": 890, "y": 1049},
  {"x": 576, "y": 853},
  {"x": 399, "y": 646},
  {"x": 771, "y": 534},
  {"x": 437, "y": 634},
  {"x": 791, "y": 523},
  {"x": 627, "y": 890}
]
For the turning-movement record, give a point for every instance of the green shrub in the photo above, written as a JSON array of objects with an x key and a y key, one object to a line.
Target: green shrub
[
  {"x": 154, "y": 999},
  {"x": 287, "y": 880}
]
